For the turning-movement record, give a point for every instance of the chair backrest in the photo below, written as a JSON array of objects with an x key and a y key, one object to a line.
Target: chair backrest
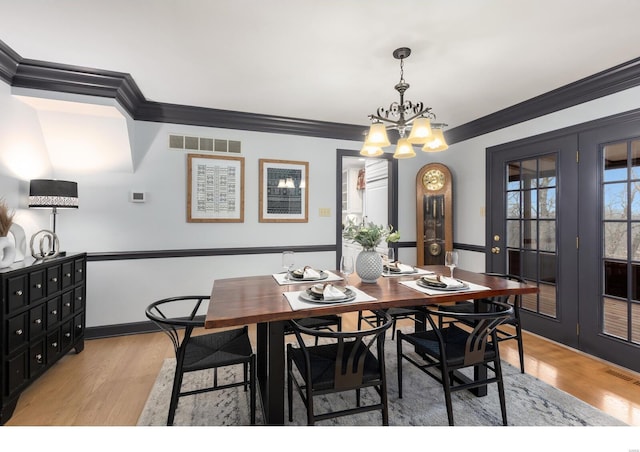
[
  {"x": 514, "y": 299},
  {"x": 351, "y": 350},
  {"x": 484, "y": 322},
  {"x": 177, "y": 313}
]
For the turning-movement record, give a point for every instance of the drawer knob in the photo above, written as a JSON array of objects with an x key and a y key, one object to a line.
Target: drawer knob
[
  {"x": 19, "y": 293},
  {"x": 67, "y": 334},
  {"x": 67, "y": 304},
  {"x": 68, "y": 275},
  {"x": 54, "y": 279},
  {"x": 54, "y": 312},
  {"x": 38, "y": 286},
  {"x": 19, "y": 332},
  {"x": 39, "y": 358},
  {"x": 54, "y": 344},
  {"x": 79, "y": 270},
  {"x": 37, "y": 321}
]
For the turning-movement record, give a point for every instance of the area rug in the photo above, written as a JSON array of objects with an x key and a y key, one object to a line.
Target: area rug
[{"x": 530, "y": 402}]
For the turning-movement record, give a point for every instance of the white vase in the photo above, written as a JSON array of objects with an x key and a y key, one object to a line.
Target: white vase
[
  {"x": 20, "y": 240},
  {"x": 369, "y": 266},
  {"x": 7, "y": 252}
]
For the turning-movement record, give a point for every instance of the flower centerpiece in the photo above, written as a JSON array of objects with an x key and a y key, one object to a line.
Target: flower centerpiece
[
  {"x": 6, "y": 218},
  {"x": 369, "y": 236}
]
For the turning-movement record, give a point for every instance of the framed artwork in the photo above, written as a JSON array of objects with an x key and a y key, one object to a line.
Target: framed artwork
[
  {"x": 215, "y": 189},
  {"x": 284, "y": 191}
]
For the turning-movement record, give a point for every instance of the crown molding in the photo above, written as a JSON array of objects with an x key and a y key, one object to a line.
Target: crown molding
[
  {"x": 228, "y": 119},
  {"x": 9, "y": 61},
  {"x": 609, "y": 81},
  {"x": 25, "y": 73}
]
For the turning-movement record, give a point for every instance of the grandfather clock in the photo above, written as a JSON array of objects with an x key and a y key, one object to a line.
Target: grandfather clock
[{"x": 434, "y": 214}]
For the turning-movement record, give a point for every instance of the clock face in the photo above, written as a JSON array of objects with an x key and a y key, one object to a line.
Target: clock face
[{"x": 433, "y": 180}]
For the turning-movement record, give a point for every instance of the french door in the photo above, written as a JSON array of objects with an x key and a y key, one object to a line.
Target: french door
[
  {"x": 564, "y": 213},
  {"x": 533, "y": 229}
]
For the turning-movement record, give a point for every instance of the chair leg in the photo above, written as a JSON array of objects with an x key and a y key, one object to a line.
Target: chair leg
[
  {"x": 399, "y": 359},
  {"x": 252, "y": 395},
  {"x": 503, "y": 405},
  {"x": 446, "y": 384},
  {"x": 289, "y": 387},
  {"x": 175, "y": 394},
  {"x": 245, "y": 372},
  {"x": 520, "y": 346},
  {"x": 384, "y": 400}
]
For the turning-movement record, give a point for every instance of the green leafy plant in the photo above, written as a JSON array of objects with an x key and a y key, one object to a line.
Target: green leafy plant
[
  {"x": 6, "y": 218},
  {"x": 370, "y": 235}
]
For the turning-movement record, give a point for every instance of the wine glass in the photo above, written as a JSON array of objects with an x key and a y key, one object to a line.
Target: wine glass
[
  {"x": 451, "y": 260},
  {"x": 288, "y": 260},
  {"x": 391, "y": 255},
  {"x": 346, "y": 266}
]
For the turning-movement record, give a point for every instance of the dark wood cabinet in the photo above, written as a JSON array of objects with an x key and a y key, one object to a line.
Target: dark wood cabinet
[{"x": 42, "y": 317}]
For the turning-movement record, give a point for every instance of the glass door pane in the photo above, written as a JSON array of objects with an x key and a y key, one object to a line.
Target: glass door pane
[{"x": 531, "y": 228}]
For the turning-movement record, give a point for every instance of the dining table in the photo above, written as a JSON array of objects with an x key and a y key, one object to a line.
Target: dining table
[{"x": 270, "y": 301}]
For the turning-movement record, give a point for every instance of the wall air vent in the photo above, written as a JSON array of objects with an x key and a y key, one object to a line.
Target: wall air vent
[{"x": 202, "y": 144}]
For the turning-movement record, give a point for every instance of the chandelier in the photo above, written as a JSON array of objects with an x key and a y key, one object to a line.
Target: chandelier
[{"x": 404, "y": 116}]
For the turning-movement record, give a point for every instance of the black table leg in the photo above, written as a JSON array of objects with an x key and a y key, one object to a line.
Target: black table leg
[{"x": 271, "y": 370}]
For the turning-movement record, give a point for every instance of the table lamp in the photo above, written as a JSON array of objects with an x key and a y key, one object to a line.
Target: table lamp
[{"x": 54, "y": 194}]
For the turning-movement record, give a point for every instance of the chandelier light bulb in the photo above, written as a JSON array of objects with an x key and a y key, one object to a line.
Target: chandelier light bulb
[
  {"x": 420, "y": 131},
  {"x": 404, "y": 150}
]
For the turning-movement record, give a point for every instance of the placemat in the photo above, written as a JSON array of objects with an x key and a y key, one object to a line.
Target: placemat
[
  {"x": 296, "y": 303},
  {"x": 281, "y": 278}
]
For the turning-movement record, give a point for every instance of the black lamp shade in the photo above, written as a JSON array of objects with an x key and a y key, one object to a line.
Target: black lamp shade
[{"x": 53, "y": 193}]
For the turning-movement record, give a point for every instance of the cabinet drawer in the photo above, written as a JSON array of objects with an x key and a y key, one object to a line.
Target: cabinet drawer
[
  {"x": 66, "y": 334},
  {"x": 53, "y": 346},
  {"x": 36, "y": 320},
  {"x": 37, "y": 360},
  {"x": 16, "y": 372},
  {"x": 53, "y": 312},
  {"x": 36, "y": 286},
  {"x": 67, "y": 304},
  {"x": 16, "y": 293},
  {"x": 67, "y": 275},
  {"x": 78, "y": 273},
  {"x": 16, "y": 334},
  {"x": 78, "y": 299},
  {"x": 78, "y": 326},
  {"x": 53, "y": 279}
]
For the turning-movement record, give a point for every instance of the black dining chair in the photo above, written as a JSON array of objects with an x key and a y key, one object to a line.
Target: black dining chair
[
  {"x": 512, "y": 328},
  {"x": 342, "y": 362},
  {"x": 442, "y": 351},
  {"x": 330, "y": 322},
  {"x": 202, "y": 351},
  {"x": 395, "y": 313}
]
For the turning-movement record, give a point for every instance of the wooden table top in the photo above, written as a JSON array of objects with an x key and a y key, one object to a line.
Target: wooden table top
[{"x": 259, "y": 299}]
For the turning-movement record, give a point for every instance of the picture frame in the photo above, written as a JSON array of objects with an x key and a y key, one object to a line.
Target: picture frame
[
  {"x": 215, "y": 189},
  {"x": 284, "y": 191}
]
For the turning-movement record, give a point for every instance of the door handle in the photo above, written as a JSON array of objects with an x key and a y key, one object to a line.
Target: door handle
[{"x": 495, "y": 250}]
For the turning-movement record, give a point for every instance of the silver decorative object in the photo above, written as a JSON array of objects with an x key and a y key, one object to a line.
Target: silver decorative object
[{"x": 48, "y": 244}]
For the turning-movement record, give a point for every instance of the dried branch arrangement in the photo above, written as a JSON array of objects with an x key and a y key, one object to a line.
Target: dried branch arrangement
[{"x": 6, "y": 218}]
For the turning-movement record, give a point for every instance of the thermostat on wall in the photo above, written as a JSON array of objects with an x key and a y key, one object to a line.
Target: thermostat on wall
[{"x": 137, "y": 196}]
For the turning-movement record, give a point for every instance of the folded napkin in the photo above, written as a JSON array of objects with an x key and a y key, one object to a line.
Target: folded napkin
[
  {"x": 444, "y": 282},
  {"x": 401, "y": 268},
  {"x": 310, "y": 273},
  {"x": 331, "y": 292}
]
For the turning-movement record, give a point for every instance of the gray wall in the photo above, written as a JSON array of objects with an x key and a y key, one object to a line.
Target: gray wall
[{"x": 118, "y": 291}]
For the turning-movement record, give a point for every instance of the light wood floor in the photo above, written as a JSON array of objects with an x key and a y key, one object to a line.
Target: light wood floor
[{"x": 108, "y": 383}]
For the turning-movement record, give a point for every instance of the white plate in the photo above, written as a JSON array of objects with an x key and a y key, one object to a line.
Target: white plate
[
  {"x": 421, "y": 283},
  {"x": 350, "y": 296},
  {"x": 323, "y": 275}
]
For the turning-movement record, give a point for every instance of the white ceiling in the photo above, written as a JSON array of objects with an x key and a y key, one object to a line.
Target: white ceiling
[{"x": 331, "y": 60}]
